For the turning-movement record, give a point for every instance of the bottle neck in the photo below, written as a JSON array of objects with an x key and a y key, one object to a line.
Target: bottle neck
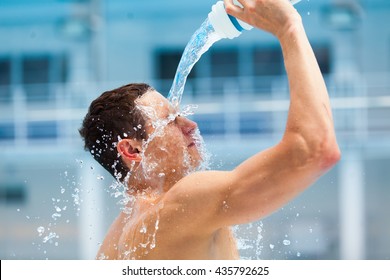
[
  {"x": 225, "y": 25},
  {"x": 235, "y": 22}
]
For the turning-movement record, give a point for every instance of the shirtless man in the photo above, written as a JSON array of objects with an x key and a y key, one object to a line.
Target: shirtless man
[{"x": 179, "y": 214}]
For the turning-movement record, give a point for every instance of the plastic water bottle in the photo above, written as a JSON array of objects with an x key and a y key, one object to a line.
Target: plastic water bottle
[
  {"x": 227, "y": 26},
  {"x": 217, "y": 26},
  {"x": 224, "y": 24}
]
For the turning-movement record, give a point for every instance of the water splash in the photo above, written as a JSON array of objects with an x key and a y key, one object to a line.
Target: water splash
[
  {"x": 259, "y": 246},
  {"x": 250, "y": 240},
  {"x": 40, "y": 230},
  {"x": 149, "y": 163},
  {"x": 286, "y": 242},
  {"x": 102, "y": 257},
  {"x": 199, "y": 43},
  {"x": 50, "y": 236}
]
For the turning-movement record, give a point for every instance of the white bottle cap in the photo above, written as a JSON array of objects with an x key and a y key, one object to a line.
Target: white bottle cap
[{"x": 223, "y": 24}]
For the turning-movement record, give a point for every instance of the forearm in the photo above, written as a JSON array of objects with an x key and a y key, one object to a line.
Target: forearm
[{"x": 310, "y": 114}]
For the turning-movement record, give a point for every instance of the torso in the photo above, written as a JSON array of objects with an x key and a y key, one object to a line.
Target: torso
[{"x": 148, "y": 233}]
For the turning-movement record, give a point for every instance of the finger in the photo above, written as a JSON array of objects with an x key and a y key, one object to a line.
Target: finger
[
  {"x": 233, "y": 9},
  {"x": 240, "y": 3}
]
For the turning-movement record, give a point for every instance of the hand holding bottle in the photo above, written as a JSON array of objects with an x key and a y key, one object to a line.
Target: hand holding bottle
[{"x": 274, "y": 16}]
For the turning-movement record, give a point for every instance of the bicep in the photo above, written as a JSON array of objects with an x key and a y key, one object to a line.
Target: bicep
[{"x": 269, "y": 179}]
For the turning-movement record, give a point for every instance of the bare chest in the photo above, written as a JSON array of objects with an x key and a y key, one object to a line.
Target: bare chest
[{"x": 149, "y": 241}]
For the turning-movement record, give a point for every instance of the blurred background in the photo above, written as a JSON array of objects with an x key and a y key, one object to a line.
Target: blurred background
[{"x": 56, "y": 56}]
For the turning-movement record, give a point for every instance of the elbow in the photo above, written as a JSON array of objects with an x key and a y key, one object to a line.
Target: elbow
[
  {"x": 328, "y": 153},
  {"x": 330, "y": 157},
  {"x": 319, "y": 152}
]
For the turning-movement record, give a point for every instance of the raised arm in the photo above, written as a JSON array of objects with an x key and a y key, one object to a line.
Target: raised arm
[{"x": 269, "y": 179}]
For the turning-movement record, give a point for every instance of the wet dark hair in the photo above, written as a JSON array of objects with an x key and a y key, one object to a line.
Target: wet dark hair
[{"x": 111, "y": 116}]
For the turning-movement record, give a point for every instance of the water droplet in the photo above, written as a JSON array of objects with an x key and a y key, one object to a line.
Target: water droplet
[
  {"x": 55, "y": 216},
  {"x": 225, "y": 206},
  {"x": 143, "y": 229},
  {"x": 272, "y": 246},
  {"x": 161, "y": 175},
  {"x": 40, "y": 230},
  {"x": 50, "y": 236},
  {"x": 102, "y": 256},
  {"x": 18, "y": 210},
  {"x": 62, "y": 190},
  {"x": 298, "y": 254},
  {"x": 308, "y": 13},
  {"x": 286, "y": 242},
  {"x": 28, "y": 217},
  {"x": 79, "y": 161},
  {"x": 100, "y": 177}
]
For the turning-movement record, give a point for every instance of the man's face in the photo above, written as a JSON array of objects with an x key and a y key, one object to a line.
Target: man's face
[{"x": 173, "y": 146}]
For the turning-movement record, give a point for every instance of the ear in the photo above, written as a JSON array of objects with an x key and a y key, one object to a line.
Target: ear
[{"x": 129, "y": 150}]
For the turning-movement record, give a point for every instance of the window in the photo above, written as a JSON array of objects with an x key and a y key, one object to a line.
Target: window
[
  {"x": 224, "y": 63},
  {"x": 5, "y": 80},
  {"x": 13, "y": 193},
  {"x": 36, "y": 78},
  {"x": 268, "y": 61},
  {"x": 322, "y": 54},
  {"x": 255, "y": 122},
  {"x": 42, "y": 130},
  {"x": 167, "y": 62},
  {"x": 210, "y": 124},
  {"x": 7, "y": 131},
  {"x": 35, "y": 73}
]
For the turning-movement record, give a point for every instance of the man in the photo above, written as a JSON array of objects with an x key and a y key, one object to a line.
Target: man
[{"x": 141, "y": 139}]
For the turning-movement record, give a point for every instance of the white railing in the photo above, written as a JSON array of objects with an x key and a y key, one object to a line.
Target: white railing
[{"x": 361, "y": 106}]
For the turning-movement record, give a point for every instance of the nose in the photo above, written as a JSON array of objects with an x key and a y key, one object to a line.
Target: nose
[{"x": 187, "y": 126}]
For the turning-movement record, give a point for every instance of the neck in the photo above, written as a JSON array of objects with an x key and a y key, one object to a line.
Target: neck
[{"x": 151, "y": 185}]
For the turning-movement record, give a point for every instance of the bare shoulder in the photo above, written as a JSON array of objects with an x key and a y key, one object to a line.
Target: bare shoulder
[
  {"x": 198, "y": 198},
  {"x": 200, "y": 185},
  {"x": 109, "y": 246}
]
